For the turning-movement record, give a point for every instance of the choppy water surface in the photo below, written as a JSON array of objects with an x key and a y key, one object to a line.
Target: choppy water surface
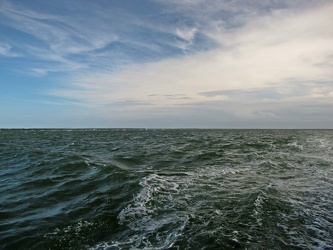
[{"x": 166, "y": 189}]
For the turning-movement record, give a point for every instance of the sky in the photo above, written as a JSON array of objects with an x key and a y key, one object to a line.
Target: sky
[{"x": 166, "y": 64}]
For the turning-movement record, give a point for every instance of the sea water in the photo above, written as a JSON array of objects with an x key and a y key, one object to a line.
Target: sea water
[{"x": 166, "y": 189}]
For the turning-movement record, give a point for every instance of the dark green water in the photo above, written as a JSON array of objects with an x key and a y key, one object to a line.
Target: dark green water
[{"x": 166, "y": 189}]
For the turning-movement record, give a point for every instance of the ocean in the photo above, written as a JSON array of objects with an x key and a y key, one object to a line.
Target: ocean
[{"x": 166, "y": 189}]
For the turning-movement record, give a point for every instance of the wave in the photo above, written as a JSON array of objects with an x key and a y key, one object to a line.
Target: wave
[{"x": 166, "y": 189}]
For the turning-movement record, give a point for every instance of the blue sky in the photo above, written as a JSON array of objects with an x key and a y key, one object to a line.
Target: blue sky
[{"x": 166, "y": 63}]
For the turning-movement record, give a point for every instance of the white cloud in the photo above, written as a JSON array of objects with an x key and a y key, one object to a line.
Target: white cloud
[
  {"x": 285, "y": 51},
  {"x": 6, "y": 50},
  {"x": 268, "y": 57},
  {"x": 186, "y": 34}
]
